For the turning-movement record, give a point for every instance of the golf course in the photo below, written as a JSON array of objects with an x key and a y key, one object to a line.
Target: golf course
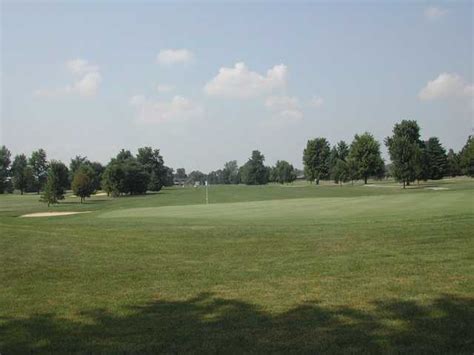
[{"x": 259, "y": 269}]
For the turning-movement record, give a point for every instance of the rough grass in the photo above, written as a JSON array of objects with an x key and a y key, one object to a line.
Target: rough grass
[{"x": 260, "y": 269}]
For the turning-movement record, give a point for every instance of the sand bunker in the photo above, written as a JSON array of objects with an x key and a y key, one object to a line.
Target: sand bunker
[
  {"x": 101, "y": 194},
  {"x": 52, "y": 214},
  {"x": 436, "y": 188}
]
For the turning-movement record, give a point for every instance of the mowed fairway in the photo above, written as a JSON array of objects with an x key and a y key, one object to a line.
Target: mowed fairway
[{"x": 294, "y": 268}]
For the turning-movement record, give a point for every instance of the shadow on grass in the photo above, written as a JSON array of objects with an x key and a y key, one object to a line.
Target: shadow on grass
[{"x": 207, "y": 324}]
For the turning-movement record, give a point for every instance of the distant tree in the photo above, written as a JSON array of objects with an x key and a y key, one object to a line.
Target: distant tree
[
  {"x": 49, "y": 195},
  {"x": 39, "y": 166},
  {"x": 231, "y": 172},
  {"x": 341, "y": 172},
  {"x": 56, "y": 183},
  {"x": 216, "y": 177},
  {"x": 453, "y": 167},
  {"x": 467, "y": 157},
  {"x": 82, "y": 184},
  {"x": 154, "y": 166},
  {"x": 5, "y": 162},
  {"x": 352, "y": 170},
  {"x": 316, "y": 159},
  {"x": 168, "y": 176},
  {"x": 338, "y": 152},
  {"x": 365, "y": 151},
  {"x": 62, "y": 174},
  {"x": 283, "y": 172},
  {"x": 254, "y": 171},
  {"x": 19, "y": 173},
  {"x": 437, "y": 158},
  {"x": 196, "y": 176},
  {"x": 75, "y": 164},
  {"x": 181, "y": 173},
  {"x": 405, "y": 151},
  {"x": 125, "y": 175},
  {"x": 31, "y": 182},
  {"x": 98, "y": 169}
]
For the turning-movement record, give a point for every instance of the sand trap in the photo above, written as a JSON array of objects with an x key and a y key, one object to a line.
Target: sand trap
[
  {"x": 436, "y": 188},
  {"x": 101, "y": 194},
  {"x": 52, "y": 214}
]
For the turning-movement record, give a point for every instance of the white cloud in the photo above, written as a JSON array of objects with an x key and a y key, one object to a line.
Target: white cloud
[
  {"x": 164, "y": 88},
  {"x": 81, "y": 66},
  {"x": 87, "y": 81},
  {"x": 316, "y": 101},
  {"x": 433, "y": 13},
  {"x": 172, "y": 56},
  {"x": 446, "y": 85},
  {"x": 178, "y": 109},
  {"x": 284, "y": 108},
  {"x": 240, "y": 82}
]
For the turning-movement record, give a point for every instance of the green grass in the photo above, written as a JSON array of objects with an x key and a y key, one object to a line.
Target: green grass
[{"x": 261, "y": 269}]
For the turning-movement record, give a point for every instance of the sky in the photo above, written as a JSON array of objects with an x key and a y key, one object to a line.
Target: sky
[{"x": 210, "y": 82}]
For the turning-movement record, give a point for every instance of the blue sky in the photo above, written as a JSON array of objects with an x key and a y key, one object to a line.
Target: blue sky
[{"x": 207, "y": 82}]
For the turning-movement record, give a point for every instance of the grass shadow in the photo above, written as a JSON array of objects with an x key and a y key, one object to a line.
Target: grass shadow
[{"x": 207, "y": 324}]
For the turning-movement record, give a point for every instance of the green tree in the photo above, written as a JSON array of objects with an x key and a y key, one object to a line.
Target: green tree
[
  {"x": 82, "y": 184},
  {"x": 153, "y": 163},
  {"x": 5, "y": 162},
  {"x": 56, "y": 183},
  {"x": 19, "y": 173},
  {"x": 467, "y": 157},
  {"x": 125, "y": 175},
  {"x": 405, "y": 151},
  {"x": 75, "y": 164},
  {"x": 196, "y": 176},
  {"x": 39, "y": 166},
  {"x": 365, "y": 151},
  {"x": 316, "y": 159},
  {"x": 62, "y": 175},
  {"x": 283, "y": 172},
  {"x": 168, "y": 176},
  {"x": 254, "y": 171},
  {"x": 437, "y": 158},
  {"x": 352, "y": 170},
  {"x": 453, "y": 167},
  {"x": 231, "y": 172},
  {"x": 341, "y": 172},
  {"x": 181, "y": 174}
]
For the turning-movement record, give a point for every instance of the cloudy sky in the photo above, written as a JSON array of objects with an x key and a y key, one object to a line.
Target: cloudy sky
[{"x": 208, "y": 83}]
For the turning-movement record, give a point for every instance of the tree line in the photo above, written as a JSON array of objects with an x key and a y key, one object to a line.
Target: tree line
[{"x": 412, "y": 159}]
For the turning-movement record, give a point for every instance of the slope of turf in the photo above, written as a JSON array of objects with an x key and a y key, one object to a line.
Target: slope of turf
[{"x": 261, "y": 269}]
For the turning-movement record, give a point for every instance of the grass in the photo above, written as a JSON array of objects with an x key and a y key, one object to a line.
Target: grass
[{"x": 261, "y": 269}]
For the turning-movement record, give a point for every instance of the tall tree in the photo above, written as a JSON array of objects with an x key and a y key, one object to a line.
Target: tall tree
[
  {"x": 467, "y": 157},
  {"x": 75, "y": 164},
  {"x": 168, "y": 176},
  {"x": 19, "y": 173},
  {"x": 316, "y": 159},
  {"x": 283, "y": 172},
  {"x": 365, "y": 151},
  {"x": 231, "y": 172},
  {"x": 39, "y": 166},
  {"x": 453, "y": 164},
  {"x": 254, "y": 171},
  {"x": 181, "y": 174},
  {"x": 56, "y": 183},
  {"x": 82, "y": 184},
  {"x": 5, "y": 162},
  {"x": 437, "y": 158},
  {"x": 61, "y": 173},
  {"x": 153, "y": 163},
  {"x": 405, "y": 151}
]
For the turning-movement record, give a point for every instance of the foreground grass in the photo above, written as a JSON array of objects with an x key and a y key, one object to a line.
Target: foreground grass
[{"x": 262, "y": 269}]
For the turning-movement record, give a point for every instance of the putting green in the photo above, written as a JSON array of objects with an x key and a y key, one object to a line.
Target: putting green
[{"x": 307, "y": 209}]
